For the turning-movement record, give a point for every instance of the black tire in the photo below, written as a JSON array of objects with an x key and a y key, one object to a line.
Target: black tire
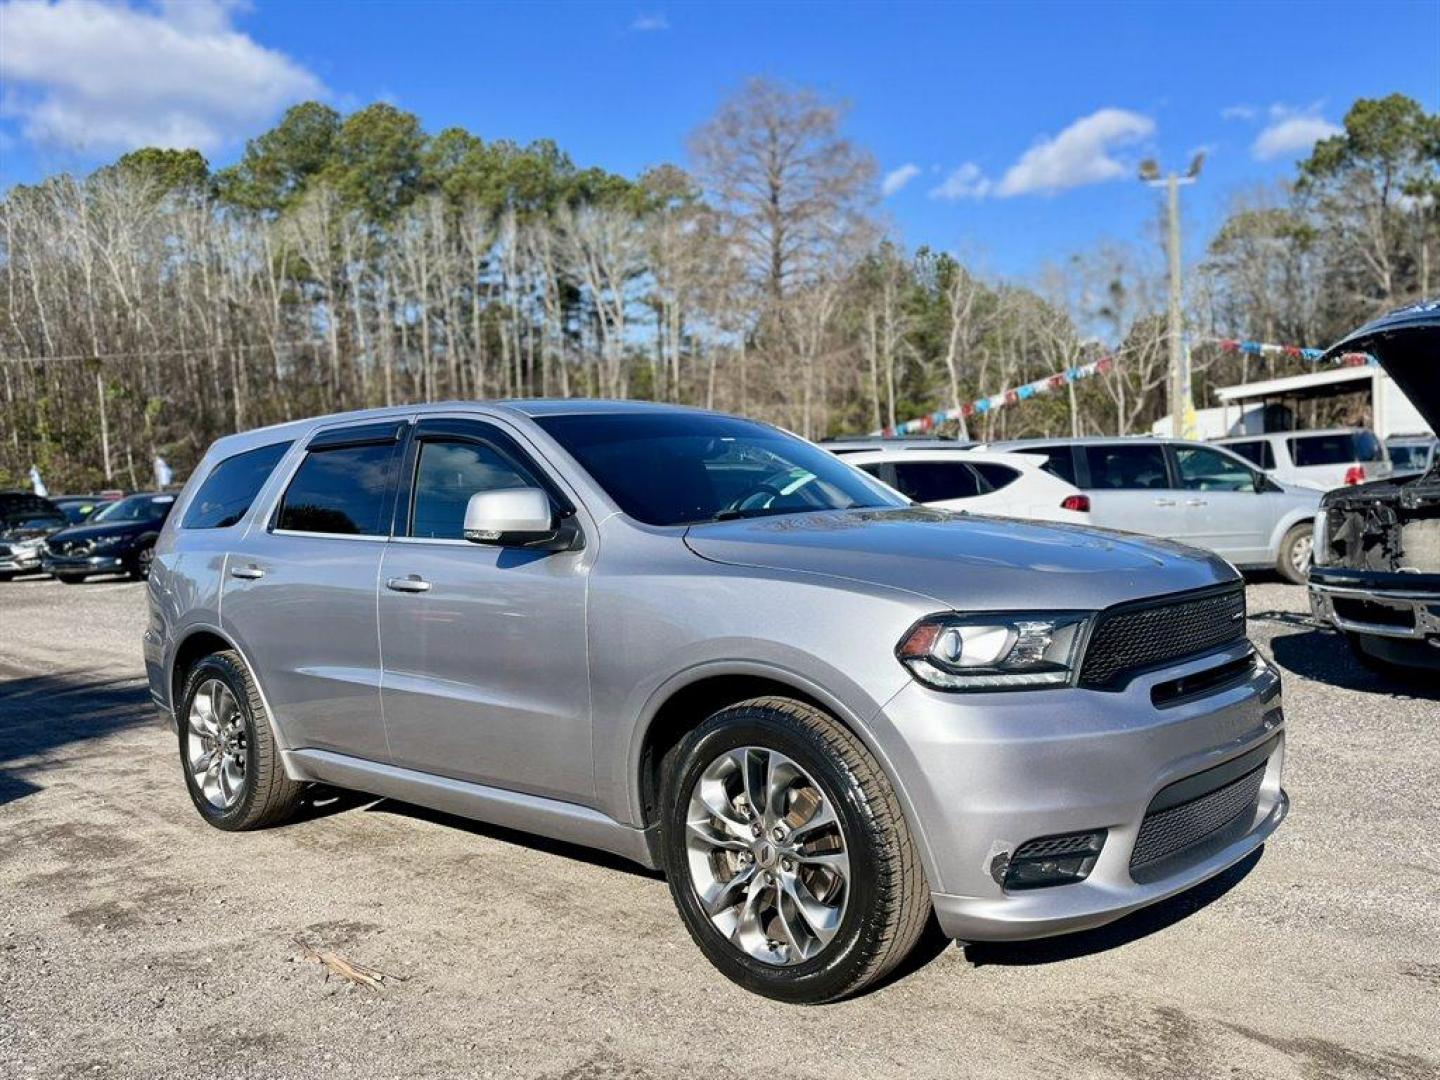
[
  {"x": 72, "y": 579},
  {"x": 1285, "y": 562},
  {"x": 6, "y": 576},
  {"x": 138, "y": 564},
  {"x": 268, "y": 797},
  {"x": 889, "y": 902}
]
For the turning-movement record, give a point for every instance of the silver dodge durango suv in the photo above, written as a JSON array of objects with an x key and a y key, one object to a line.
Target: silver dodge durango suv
[{"x": 712, "y": 648}]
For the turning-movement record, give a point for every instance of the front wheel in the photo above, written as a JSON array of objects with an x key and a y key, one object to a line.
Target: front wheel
[
  {"x": 1296, "y": 551},
  {"x": 139, "y": 564},
  {"x": 788, "y": 855},
  {"x": 72, "y": 579}
]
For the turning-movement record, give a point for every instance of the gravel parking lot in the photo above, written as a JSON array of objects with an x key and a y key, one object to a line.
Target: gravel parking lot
[{"x": 137, "y": 941}]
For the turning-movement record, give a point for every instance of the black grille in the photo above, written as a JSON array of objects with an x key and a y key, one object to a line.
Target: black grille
[
  {"x": 1173, "y": 830},
  {"x": 1131, "y": 639},
  {"x": 1055, "y": 846}
]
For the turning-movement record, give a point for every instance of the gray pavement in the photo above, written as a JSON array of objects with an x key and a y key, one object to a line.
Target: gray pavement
[{"x": 136, "y": 941}]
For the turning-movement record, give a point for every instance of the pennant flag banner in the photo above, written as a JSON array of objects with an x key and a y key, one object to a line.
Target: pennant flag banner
[
  {"x": 1295, "y": 352},
  {"x": 1047, "y": 385}
]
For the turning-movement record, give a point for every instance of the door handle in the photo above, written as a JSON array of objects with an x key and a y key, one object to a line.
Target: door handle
[
  {"x": 249, "y": 573},
  {"x": 412, "y": 583},
  {"x": 1164, "y": 502},
  {"x": 1196, "y": 502}
]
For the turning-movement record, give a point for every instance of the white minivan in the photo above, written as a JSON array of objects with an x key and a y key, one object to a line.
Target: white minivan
[{"x": 1315, "y": 459}]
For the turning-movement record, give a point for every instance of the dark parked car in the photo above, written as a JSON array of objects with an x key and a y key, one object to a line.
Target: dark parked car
[
  {"x": 1377, "y": 546},
  {"x": 25, "y": 521},
  {"x": 78, "y": 508},
  {"x": 117, "y": 539}
]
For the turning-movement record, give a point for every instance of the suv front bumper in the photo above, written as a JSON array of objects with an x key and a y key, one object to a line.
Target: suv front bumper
[
  {"x": 1405, "y": 607},
  {"x": 985, "y": 773},
  {"x": 88, "y": 564}
]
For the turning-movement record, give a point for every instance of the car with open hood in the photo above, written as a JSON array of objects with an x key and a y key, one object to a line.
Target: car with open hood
[
  {"x": 119, "y": 538},
  {"x": 706, "y": 645},
  {"x": 25, "y": 521},
  {"x": 1376, "y": 572}
]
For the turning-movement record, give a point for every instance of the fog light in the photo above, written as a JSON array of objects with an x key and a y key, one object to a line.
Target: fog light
[{"x": 1053, "y": 860}]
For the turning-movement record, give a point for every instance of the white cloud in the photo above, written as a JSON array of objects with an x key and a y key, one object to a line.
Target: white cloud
[
  {"x": 1289, "y": 133},
  {"x": 92, "y": 75},
  {"x": 1078, "y": 155},
  {"x": 896, "y": 179},
  {"x": 1239, "y": 112},
  {"x": 650, "y": 23},
  {"x": 966, "y": 182}
]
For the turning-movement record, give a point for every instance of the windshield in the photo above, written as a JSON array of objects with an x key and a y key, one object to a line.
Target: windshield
[
  {"x": 135, "y": 508},
  {"x": 683, "y": 468}
]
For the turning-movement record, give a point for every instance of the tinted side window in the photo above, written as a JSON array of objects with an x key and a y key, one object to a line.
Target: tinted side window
[
  {"x": 1059, "y": 460},
  {"x": 934, "y": 481},
  {"x": 1258, "y": 453},
  {"x": 345, "y": 490},
  {"x": 1210, "y": 470},
  {"x": 447, "y": 474},
  {"x": 231, "y": 487},
  {"x": 1334, "y": 449},
  {"x": 1131, "y": 466},
  {"x": 995, "y": 476}
]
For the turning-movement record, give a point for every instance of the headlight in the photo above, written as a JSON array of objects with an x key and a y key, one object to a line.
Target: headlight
[
  {"x": 26, "y": 547},
  {"x": 108, "y": 543},
  {"x": 1010, "y": 651}
]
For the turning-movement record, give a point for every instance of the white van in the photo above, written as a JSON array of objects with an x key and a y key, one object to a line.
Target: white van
[{"x": 1315, "y": 459}]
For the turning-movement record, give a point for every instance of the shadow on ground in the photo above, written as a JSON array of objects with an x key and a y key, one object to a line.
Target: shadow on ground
[
  {"x": 1132, "y": 927},
  {"x": 1321, "y": 654},
  {"x": 42, "y": 714},
  {"x": 513, "y": 836}
]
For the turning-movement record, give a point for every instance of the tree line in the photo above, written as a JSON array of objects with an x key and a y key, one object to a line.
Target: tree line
[{"x": 353, "y": 261}]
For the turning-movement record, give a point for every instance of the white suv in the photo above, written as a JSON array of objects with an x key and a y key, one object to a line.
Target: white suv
[
  {"x": 1315, "y": 459},
  {"x": 980, "y": 481}
]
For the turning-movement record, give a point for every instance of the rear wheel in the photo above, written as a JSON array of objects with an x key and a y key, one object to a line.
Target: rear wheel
[
  {"x": 788, "y": 855},
  {"x": 1296, "y": 550},
  {"x": 231, "y": 763}
]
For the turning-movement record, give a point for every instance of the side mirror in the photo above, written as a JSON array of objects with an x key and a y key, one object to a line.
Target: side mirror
[{"x": 518, "y": 517}]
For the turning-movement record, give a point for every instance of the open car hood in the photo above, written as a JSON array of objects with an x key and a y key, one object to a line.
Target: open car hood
[{"x": 1407, "y": 344}]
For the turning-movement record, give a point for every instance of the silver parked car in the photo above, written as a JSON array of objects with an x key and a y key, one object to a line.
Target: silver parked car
[
  {"x": 1187, "y": 491},
  {"x": 715, "y": 649}
]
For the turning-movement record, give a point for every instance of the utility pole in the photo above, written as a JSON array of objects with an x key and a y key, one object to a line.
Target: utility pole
[{"x": 1182, "y": 405}]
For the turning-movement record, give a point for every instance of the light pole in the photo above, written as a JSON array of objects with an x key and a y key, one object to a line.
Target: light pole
[{"x": 1182, "y": 407}]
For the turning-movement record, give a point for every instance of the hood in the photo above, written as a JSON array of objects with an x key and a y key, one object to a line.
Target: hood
[
  {"x": 103, "y": 530},
  {"x": 1407, "y": 344},
  {"x": 963, "y": 561},
  {"x": 29, "y": 530}
]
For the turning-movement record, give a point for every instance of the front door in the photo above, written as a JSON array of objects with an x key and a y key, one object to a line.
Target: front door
[
  {"x": 299, "y": 591},
  {"x": 1224, "y": 510},
  {"x": 486, "y": 675}
]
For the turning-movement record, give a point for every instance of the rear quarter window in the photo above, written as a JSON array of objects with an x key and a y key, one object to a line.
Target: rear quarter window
[
  {"x": 1059, "y": 460},
  {"x": 1258, "y": 452},
  {"x": 231, "y": 487},
  {"x": 1335, "y": 449},
  {"x": 995, "y": 476}
]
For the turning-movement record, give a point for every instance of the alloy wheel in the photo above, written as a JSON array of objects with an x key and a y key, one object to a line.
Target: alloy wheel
[
  {"x": 1301, "y": 553},
  {"x": 767, "y": 856},
  {"x": 216, "y": 744}
]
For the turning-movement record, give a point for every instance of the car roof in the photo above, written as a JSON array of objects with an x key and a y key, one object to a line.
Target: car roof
[
  {"x": 1015, "y": 459},
  {"x": 1291, "y": 434}
]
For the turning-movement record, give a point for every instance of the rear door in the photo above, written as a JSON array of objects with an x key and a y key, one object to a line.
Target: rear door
[
  {"x": 1130, "y": 489},
  {"x": 486, "y": 672},
  {"x": 300, "y": 587}
]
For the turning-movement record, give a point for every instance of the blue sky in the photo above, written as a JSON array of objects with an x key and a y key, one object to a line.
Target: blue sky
[{"x": 1017, "y": 125}]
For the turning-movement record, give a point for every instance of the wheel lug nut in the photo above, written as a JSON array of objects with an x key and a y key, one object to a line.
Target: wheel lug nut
[
  {"x": 787, "y": 865},
  {"x": 778, "y": 832},
  {"x": 756, "y": 830}
]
